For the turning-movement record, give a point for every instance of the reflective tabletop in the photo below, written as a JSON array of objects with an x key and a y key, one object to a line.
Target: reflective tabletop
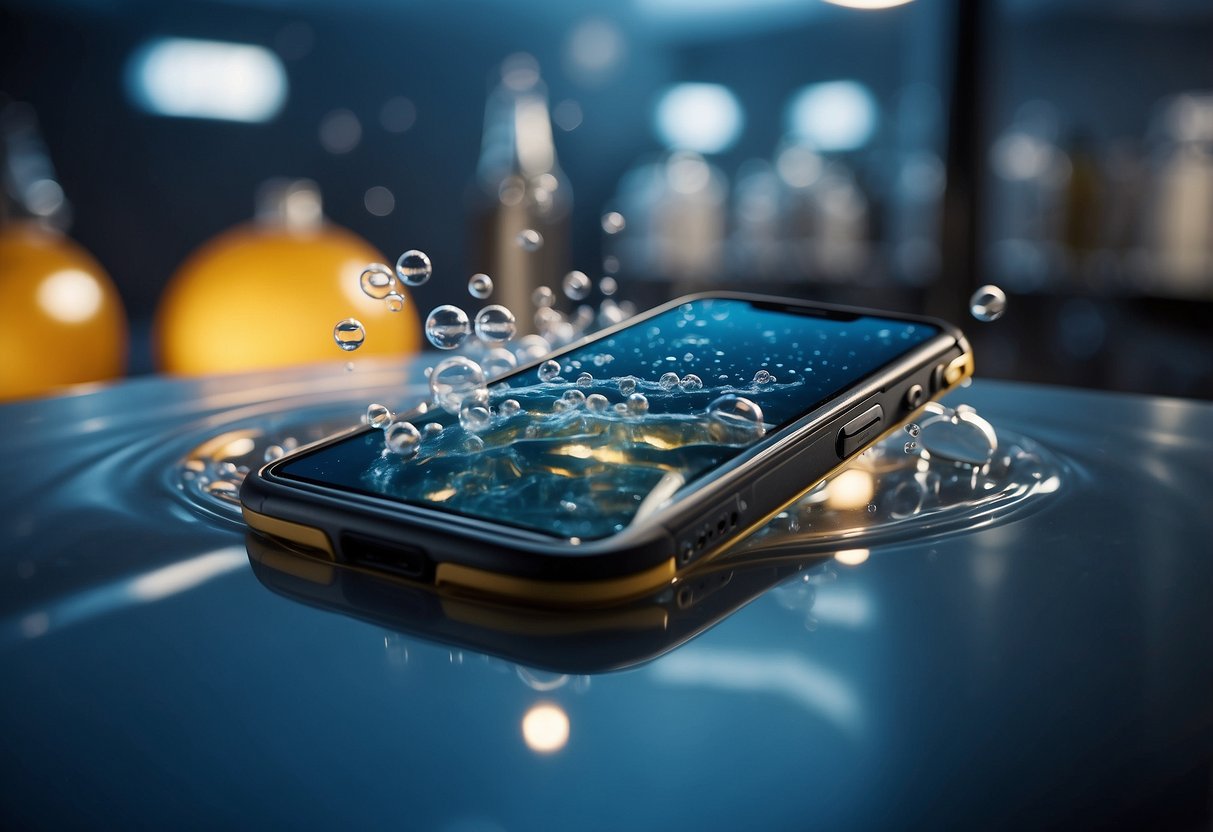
[{"x": 1049, "y": 666}]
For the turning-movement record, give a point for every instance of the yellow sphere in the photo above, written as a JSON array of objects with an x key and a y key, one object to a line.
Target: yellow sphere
[
  {"x": 61, "y": 320},
  {"x": 259, "y": 296}
]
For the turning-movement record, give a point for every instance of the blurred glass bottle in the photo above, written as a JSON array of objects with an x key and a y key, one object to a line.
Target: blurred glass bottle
[
  {"x": 520, "y": 187},
  {"x": 61, "y": 319}
]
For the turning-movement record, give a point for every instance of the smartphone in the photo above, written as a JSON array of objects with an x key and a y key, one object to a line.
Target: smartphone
[{"x": 562, "y": 501}]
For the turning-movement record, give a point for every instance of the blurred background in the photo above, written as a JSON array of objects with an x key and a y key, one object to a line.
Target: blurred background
[{"x": 194, "y": 186}]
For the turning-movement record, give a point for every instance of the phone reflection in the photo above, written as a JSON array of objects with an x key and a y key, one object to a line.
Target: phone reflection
[
  {"x": 564, "y": 642},
  {"x": 955, "y": 474}
]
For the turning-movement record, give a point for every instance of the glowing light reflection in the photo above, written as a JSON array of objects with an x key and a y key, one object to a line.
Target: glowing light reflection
[
  {"x": 71, "y": 296},
  {"x": 545, "y": 728}
]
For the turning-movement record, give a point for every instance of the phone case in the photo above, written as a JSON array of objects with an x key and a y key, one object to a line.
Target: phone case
[{"x": 473, "y": 555}]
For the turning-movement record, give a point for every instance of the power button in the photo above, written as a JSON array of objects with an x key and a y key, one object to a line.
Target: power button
[{"x": 859, "y": 430}]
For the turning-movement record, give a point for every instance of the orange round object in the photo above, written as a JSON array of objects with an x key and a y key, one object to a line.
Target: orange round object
[
  {"x": 260, "y": 296},
  {"x": 61, "y": 319}
]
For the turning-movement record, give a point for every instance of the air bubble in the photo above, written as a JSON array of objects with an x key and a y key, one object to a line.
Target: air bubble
[
  {"x": 378, "y": 416},
  {"x": 608, "y": 286},
  {"x": 668, "y": 381},
  {"x": 638, "y": 404},
  {"x": 763, "y": 377},
  {"x": 495, "y": 324},
  {"x": 474, "y": 415},
  {"x": 737, "y": 413},
  {"x": 627, "y": 385},
  {"x": 573, "y": 399},
  {"x": 911, "y": 447},
  {"x": 349, "y": 366},
  {"x": 349, "y": 334},
  {"x": 548, "y": 370},
  {"x": 691, "y": 382},
  {"x": 378, "y": 281},
  {"x": 585, "y": 380},
  {"x": 402, "y": 438},
  {"x": 596, "y": 403},
  {"x": 621, "y": 408},
  {"x": 394, "y": 302},
  {"x": 480, "y": 286},
  {"x": 871, "y": 508},
  {"x": 453, "y": 378},
  {"x": 472, "y": 444},
  {"x": 529, "y": 240},
  {"x": 273, "y": 452},
  {"x": 414, "y": 267},
  {"x": 497, "y": 362},
  {"x": 431, "y": 430},
  {"x": 576, "y": 285},
  {"x": 508, "y": 408},
  {"x": 988, "y": 303},
  {"x": 913, "y": 429},
  {"x": 543, "y": 297},
  {"x": 447, "y": 327},
  {"x": 613, "y": 222},
  {"x": 531, "y": 347}
]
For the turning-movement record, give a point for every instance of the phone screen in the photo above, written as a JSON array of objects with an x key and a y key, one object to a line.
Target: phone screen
[{"x": 574, "y": 470}]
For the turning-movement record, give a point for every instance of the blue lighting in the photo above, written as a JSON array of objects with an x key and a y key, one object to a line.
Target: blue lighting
[
  {"x": 705, "y": 118},
  {"x": 833, "y": 116}
]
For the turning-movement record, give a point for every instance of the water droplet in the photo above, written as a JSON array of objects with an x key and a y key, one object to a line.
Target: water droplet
[
  {"x": 509, "y": 407},
  {"x": 871, "y": 508},
  {"x": 414, "y": 267},
  {"x": 431, "y": 430},
  {"x": 349, "y": 334},
  {"x": 621, "y": 408},
  {"x": 911, "y": 447},
  {"x": 497, "y": 362},
  {"x": 568, "y": 506},
  {"x": 737, "y": 413},
  {"x": 394, "y": 301},
  {"x": 402, "y": 438},
  {"x": 447, "y": 326},
  {"x": 543, "y": 297},
  {"x": 378, "y": 281},
  {"x": 531, "y": 347},
  {"x": 763, "y": 377},
  {"x": 585, "y": 380},
  {"x": 688, "y": 357},
  {"x": 608, "y": 286},
  {"x": 627, "y": 385},
  {"x": 596, "y": 403},
  {"x": 913, "y": 429},
  {"x": 495, "y": 324},
  {"x": 576, "y": 285},
  {"x": 668, "y": 381},
  {"x": 613, "y": 222},
  {"x": 378, "y": 416},
  {"x": 472, "y": 444},
  {"x": 349, "y": 366},
  {"x": 273, "y": 452},
  {"x": 480, "y": 286},
  {"x": 453, "y": 378},
  {"x": 988, "y": 303},
  {"x": 638, "y": 404},
  {"x": 548, "y": 370},
  {"x": 573, "y": 398},
  {"x": 691, "y": 382},
  {"x": 474, "y": 414},
  {"x": 529, "y": 240}
]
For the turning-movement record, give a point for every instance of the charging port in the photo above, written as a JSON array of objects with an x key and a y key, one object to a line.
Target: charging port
[{"x": 383, "y": 556}]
